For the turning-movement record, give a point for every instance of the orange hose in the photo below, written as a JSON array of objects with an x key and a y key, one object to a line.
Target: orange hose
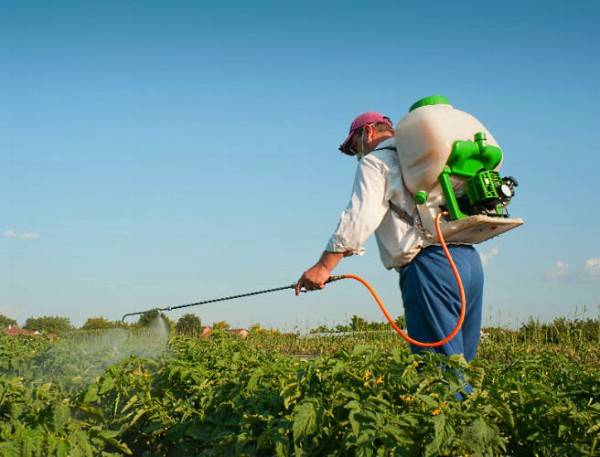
[{"x": 461, "y": 291}]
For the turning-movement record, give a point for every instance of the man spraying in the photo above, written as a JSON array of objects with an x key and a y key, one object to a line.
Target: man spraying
[{"x": 381, "y": 204}]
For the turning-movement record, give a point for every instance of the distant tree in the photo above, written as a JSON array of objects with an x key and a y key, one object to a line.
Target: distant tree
[
  {"x": 5, "y": 321},
  {"x": 100, "y": 323},
  {"x": 49, "y": 324},
  {"x": 189, "y": 324},
  {"x": 321, "y": 329},
  {"x": 358, "y": 323},
  {"x": 149, "y": 317},
  {"x": 401, "y": 321},
  {"x": 221, "y": 325},
  {"x": 257, "y": 329},
  {"x": 341, "y": 328}
]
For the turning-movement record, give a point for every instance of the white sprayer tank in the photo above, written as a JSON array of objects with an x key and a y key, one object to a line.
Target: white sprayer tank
[{"x": 424, "y": 139}]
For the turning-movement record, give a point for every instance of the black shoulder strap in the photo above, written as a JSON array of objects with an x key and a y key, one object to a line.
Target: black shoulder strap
[
  {"x": 402, "y": 214},
  {"x": 391, "y": 148}
]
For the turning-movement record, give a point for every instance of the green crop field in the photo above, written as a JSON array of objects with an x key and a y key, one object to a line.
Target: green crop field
[{"x": 536, "y": 392}]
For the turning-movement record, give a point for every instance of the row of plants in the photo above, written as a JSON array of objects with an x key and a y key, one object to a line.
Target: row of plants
[{"x": 132, "y": 393}]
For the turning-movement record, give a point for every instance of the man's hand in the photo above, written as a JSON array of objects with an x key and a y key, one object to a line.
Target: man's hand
[{"x": 315, "y": 277}]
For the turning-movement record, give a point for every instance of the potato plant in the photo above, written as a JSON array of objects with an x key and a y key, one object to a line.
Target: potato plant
[{"x": 356, "y": 395}]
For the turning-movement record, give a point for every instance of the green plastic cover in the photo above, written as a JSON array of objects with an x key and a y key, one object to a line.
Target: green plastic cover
[{"x": 431, "y": 100}]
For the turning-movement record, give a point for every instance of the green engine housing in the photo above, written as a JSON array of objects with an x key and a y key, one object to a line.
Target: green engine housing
[
  {"x": 482, "y": 187},
  {"x": 484, "y": 191}
]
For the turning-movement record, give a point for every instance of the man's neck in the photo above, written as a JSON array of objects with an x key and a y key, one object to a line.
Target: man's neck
[{"x": 382, "y": 140}]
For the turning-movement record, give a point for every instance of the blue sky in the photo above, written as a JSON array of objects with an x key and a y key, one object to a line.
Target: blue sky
[{"x": 158, "y": 153}]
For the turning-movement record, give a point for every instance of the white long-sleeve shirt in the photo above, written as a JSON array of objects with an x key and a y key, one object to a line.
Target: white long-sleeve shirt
[{"x": 378, "y": 181}]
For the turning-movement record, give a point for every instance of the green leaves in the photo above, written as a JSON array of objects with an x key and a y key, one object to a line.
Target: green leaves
[
  {"x": 305, "y": 420},
  {"x": 60, "y": 416},
  {"x": 224, "y": 396}
]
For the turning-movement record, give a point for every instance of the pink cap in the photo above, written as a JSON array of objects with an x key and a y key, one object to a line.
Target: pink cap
[{"x": 367, "y": 118}]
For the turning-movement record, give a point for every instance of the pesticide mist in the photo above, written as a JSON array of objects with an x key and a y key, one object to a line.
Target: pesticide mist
[{"x": 79, "y": 357}]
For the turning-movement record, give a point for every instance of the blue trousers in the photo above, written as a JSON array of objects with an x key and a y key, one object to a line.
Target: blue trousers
[{"x": 432, "y": 302}]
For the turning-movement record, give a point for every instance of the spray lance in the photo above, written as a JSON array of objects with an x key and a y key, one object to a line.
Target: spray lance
[{"x": 214, "y": 300}]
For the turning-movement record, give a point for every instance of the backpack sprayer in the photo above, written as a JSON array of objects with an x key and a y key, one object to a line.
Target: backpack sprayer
[{"x": 450, "y": 163}]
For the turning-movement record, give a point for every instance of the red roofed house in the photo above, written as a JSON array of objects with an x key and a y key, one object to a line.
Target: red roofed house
[
  {"x": 14, "y": 330},
  {"x": 238, "y": 331},
  {"x": 242, "y": 332}
]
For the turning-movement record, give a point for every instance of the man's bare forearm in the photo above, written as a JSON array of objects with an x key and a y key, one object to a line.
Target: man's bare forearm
[{"x": 329, "y": 260}]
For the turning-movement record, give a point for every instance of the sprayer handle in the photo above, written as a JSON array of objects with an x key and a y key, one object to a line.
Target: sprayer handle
[{"x": 334, "y": 278}]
